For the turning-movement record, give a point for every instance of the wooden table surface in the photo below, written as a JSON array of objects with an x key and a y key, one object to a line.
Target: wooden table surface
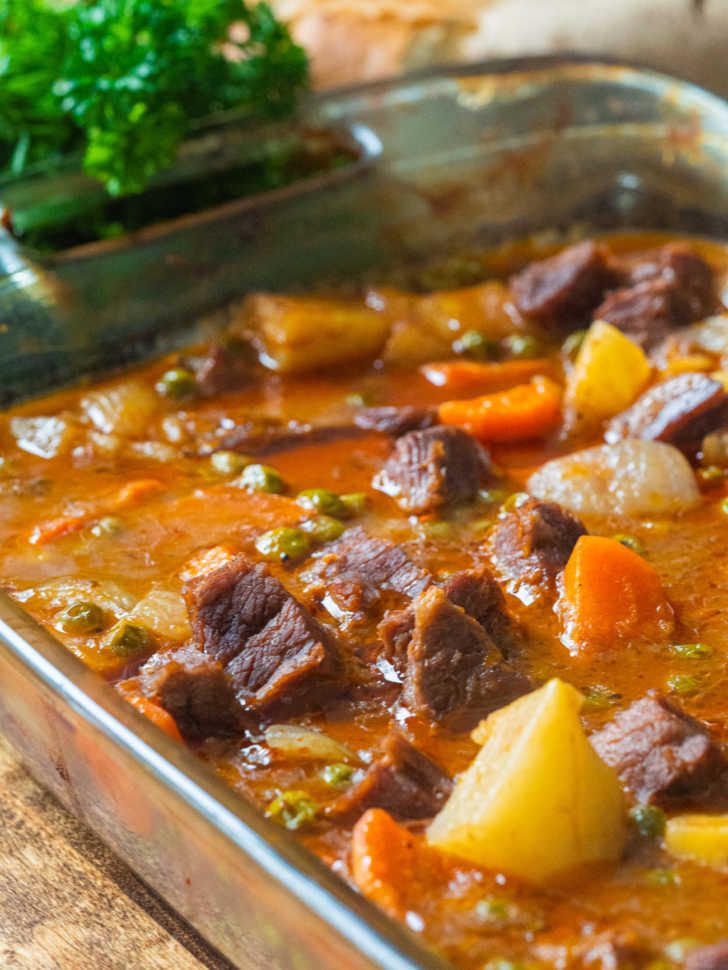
[{"x": 66, "y": 903}]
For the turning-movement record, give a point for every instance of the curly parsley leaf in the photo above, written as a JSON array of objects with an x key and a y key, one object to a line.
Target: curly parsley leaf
[{"x": 124, "y": 80}]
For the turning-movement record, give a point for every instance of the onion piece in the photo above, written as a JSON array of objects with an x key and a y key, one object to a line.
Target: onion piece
[
  {"x": 306, "y": 744},
  {"x": 163, "y": 613},
  {"x": 627, "y": 478}
]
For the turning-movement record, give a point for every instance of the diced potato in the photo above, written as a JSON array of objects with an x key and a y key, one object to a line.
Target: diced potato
[
  {"x": 537, "y": 800},
  {"x": 700, "y": 838},
  {"x": 609, "y": 372},
  {"x": 124, "y": 410},
  {"x": 45, "y": 437},
  {"x": 299, "y": 334},
  {"x": 164, "y": 614},
  {"x": 721, "y": 376},
  {"x": 485, "y": 308}
]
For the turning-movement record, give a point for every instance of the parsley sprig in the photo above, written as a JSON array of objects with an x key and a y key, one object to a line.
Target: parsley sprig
[{"x": 123, "y": 81}]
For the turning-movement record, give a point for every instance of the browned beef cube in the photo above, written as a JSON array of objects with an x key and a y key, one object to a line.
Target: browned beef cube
[
  {"x": 680, "y": 411},
  {"x": 713, "y": 957},
  {"x": 659, "y": 751},
  {"x": 689, "y": 274},
  {"x": 645, "y": 312},
  {"x": 195, "y": 690},
  {"x": 564, "y": 288},
  {"x": 220, "y": 368},
  {"x": 354, "y": 572},
  {"x": 455, "y": 673},
  {"x": 532, "y": 544},
  {"x": 432, "y": 468},
  {"x": 273, "y": 649},
  {"x": 232, "y": 604},
  {"x": 396, "y": 421},
  {"x": 475, "y": 591},
  {"x": 478, "y": 593},
  {"x": 402, "y": 780}
]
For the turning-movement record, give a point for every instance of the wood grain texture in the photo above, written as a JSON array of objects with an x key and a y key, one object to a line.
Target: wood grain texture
[{"x": 66, "y": 903}]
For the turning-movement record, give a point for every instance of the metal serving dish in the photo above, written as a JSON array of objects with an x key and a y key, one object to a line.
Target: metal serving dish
[{"x": 455, "y": 158}]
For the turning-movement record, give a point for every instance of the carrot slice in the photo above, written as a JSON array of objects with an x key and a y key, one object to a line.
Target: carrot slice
[
  {"x": 390, "y": 865},
  {"x": 519, "y": 414},
  {"x": 156, "y": 714},
  {"x": 610, "y": 595},
  {"x": 56, "y": 528},
  {"x": 134, "y": 492},
  {"x": 470, "y": 377}
]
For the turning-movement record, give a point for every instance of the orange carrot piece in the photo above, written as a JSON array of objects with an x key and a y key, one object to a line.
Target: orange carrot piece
[
  {"x": 206, "y": 561},
  {"x": 156, "y": 714},
  {"x": 610, "y": 595},
  {"x": 390, "y": 865},
  {"x": 519, "y": 414},
  {"x": 470, "y": 377},
  {"x": 134, "y": 492},
  {"x": 56, "y": 528}
]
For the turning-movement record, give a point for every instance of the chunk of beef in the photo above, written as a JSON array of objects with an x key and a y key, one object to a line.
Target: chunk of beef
[
  {"x": 645, "y": 312},
  {"x": 455, "y": 673},
  {"x": 475, "y": 591},
  {"x": 670, "y": 290},
  {"x": 261, "y": 439},
  {"x": 659, "y": 751},
  {"x": 713, "y": 957},
  {"x": 689, "y": 274},
  {"x": 432, "y": 468},
  {"x": 220, "y": 368},
  {"x": 564, "y": 288},
  {"x": 396, "y": 421},
  {"x": 274, "y": 651},
  {"x": 356, "y": 570},
  {"x": 532, "y": 544},
  {"x": 478, "y": 593},
  {"x": 402, "y": 780},
  {"x": 680, "y": 411},
  {"x": 195, "y": 690}
]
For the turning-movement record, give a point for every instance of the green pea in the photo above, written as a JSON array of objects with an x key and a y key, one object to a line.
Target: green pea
[
  {"x": 177, "y": 384},
  {"x": 109, "y": 525},
  {"x": 337, "y": 775},
  {"x": 293, "y": 809},
  {"x": 262, "y": 478},
  {"x": 324, "y": 501},
  {"x": 631, "y": 542},
  {"x": 649, "y": 821},
  {"x": 492, "y": 910},
  {"x": 356, "y": 503},
  {"x": 476, "y": 346},
  {"x": 524, "y": 346},
  {"x": 128, "y": 639},
  {"x": 283, "y": 545},
  {"x": 683, "y": 684},
  {"x": 692, "y": 651},
  {"x": 81, "y": 617},
  {"x": 358, "y": 399},
  {"x": 323, "y": 528},
  {"x": 572, "y": 345},
  {"x": 229, "y": 462},
  {"x": 724, "y": 506}
]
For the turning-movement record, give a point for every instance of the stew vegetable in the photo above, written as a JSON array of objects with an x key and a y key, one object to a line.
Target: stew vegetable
[{"x": 436, "y": 580}]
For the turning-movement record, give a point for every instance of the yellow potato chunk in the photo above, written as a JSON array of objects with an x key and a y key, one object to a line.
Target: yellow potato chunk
[
  {"x": 305, "y": 333},
  {"x": 700, "y": 838},
  {"x": 609, "y": 372},
  {"x": 537, "y": 800}
]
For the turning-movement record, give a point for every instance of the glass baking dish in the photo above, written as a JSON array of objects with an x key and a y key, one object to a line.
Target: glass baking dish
[{"x": 458, "y": 158}]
